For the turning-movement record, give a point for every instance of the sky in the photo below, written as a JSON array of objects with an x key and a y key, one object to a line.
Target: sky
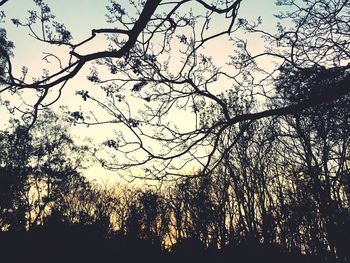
[{"x": 80, "y": 17}]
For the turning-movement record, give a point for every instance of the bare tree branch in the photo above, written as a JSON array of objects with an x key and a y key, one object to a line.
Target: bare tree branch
[{"x": 2, "y": 2}]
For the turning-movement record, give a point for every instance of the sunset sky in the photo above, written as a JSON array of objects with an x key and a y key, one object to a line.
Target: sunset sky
[{"x": 82, "y": 16}]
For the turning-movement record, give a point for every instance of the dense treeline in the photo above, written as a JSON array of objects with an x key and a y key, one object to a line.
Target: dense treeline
[
  {"x": 281, "y": 190},
  {"x": 271, "y": 154}
]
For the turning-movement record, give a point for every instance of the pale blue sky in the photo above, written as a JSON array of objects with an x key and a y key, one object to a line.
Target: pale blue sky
[{"x": 80, "y": 16}]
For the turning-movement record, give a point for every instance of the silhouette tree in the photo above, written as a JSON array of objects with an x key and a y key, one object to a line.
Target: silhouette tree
[
  {"x": 13, "y": 172},
  {"x": 138, "y": 64},
  {"x": 320, "y": 135},
  {"x": 6, "y": 47},
  {"x": 269, "y": 152},
  {"x": 37, "y": 168}
]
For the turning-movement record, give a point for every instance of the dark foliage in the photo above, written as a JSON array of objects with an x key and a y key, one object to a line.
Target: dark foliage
[{"x": 273, "y": 183}]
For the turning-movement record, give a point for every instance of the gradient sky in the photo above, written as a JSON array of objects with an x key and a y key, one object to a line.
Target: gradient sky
[{"x": 80, "y": 16}]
